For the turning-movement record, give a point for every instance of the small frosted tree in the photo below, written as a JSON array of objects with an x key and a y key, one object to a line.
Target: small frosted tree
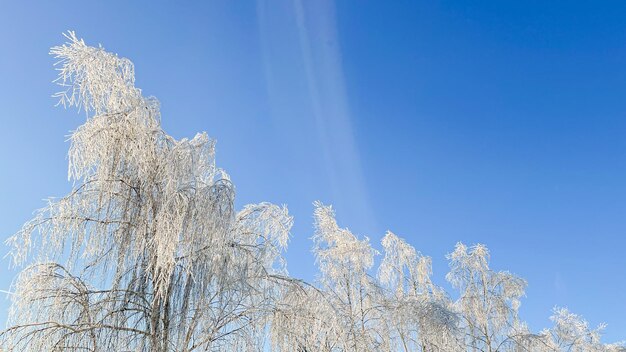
[
  {"x": 419, "y": 312},
  {"x": 488, "y": 302},
  {"x": 147, "y": 252},
  {"x": 344, "y": 261},
  {"x": 570, "y": 333}
]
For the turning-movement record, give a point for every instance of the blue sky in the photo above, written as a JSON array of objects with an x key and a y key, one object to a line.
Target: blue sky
[{"x": 487, "y": 121}]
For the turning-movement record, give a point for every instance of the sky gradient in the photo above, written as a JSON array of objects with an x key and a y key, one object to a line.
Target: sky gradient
[{"x": 496, "y": 123}]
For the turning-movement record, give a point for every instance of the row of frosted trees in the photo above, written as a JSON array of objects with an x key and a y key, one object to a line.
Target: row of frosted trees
[{"x": 148, "y": 253}]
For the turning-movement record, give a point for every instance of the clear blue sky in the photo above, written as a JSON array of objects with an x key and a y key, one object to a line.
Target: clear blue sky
[{"x": 443, "y": 121}]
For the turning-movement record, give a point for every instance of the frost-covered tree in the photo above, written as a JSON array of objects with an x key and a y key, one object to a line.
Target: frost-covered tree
[
  {"x": 419, "y": 312},
  {"x": 570, "y": 333},
  {"x": 147, "y": 252},
  {"x": 488, "y": 301},
  {"x": 344, "y": 261}
]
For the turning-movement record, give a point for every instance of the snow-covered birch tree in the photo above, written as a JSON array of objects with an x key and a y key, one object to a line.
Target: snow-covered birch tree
[
  {"x": 419, "y": 312},
  {"x": 570, "y": 333},
  {"x": 344, "y": 261},
  {"x": 489, "y": 301},
  {"x": 147, "y": 252}
]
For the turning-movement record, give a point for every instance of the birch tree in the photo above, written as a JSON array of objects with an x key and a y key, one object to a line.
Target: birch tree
[
  {"x": 570, "y": 333},
  {"x": 419, "y": 312},
  {"x": 489, "y": 301},
  {"x": 344, "y": 261},
  {"x": 147, "y": 252}
]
